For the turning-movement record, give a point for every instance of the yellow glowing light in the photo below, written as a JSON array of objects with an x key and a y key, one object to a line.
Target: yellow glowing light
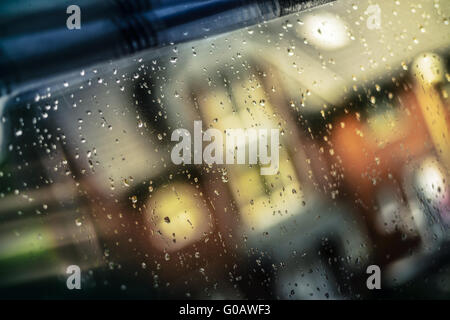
[
  {"x": 179, "y": 216},
  {"x": 428, "y": 68},
  {"x": 263, "y": 201},
  {"x": 429, "y": 71},
  {"x": 431, "y": 177}
]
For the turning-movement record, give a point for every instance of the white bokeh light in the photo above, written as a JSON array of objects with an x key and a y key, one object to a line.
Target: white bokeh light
[{"x": 325, "y": 30}]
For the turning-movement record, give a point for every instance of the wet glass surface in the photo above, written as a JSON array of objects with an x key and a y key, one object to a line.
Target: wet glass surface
[{"x": 361, "y": 106}]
